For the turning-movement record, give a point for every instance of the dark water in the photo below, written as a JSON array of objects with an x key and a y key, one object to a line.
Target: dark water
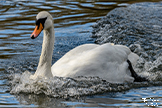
[{"x": 73, "y": 21}]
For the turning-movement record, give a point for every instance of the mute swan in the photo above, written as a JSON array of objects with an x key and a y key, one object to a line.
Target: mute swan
[{"x": 106, "y": 61}]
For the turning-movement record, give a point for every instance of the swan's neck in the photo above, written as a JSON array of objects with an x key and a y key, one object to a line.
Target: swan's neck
[{"x": 44, "y": 66}]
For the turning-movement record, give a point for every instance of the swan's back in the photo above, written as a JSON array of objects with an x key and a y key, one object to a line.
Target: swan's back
[{"x": 106, "y": 61}]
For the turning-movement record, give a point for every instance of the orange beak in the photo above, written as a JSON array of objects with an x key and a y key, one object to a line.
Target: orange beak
[{"x": 36, "y": 31}]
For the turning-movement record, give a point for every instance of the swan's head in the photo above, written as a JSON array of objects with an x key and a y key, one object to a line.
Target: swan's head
[{"x": 43, "y": 22}]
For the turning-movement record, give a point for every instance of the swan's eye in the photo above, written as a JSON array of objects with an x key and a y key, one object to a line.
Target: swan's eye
[{"x": 41, "y": 20}]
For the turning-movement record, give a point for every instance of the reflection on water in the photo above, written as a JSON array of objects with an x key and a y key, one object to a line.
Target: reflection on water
[{"x": 72, "y": 28}]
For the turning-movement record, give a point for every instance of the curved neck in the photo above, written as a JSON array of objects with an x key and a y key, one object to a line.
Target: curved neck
[{"x": 44, "y": 66}]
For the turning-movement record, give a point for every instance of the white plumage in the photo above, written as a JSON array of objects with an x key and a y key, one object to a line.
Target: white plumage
[{"x": 106, "y": 61}]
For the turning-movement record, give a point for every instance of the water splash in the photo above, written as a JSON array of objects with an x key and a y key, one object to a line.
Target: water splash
[{"x": 60, "y": 87}]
